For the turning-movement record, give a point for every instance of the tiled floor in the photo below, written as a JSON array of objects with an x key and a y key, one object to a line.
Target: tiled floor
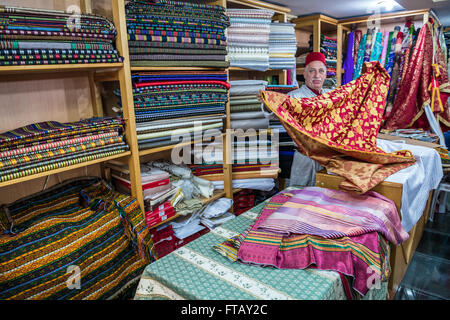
[{"x": 428, "y": 276}]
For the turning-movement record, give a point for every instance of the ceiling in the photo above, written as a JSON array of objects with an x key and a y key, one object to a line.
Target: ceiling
[{"x": 350, "y": 8}]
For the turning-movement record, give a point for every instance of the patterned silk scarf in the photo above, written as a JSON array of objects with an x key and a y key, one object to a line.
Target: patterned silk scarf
[{"x": 339, "y": 129}]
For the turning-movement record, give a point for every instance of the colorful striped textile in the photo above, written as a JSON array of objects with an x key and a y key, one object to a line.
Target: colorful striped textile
[
  {"x": 356, "y": 257},
  {"x": 51, "y": 145},
  {"x": 172, "y": 24},
  {"x": 334, "y": 214},
  {"x": 50, "y": 37},
  {"x": 174, "y": 105},
  {"x": 76, "y": 240}
]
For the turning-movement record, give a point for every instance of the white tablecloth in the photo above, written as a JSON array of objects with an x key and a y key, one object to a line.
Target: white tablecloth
[{"x": 417, "y": 179}]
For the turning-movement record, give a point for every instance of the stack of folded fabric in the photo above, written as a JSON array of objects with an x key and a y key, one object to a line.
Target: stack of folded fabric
[
  {"x": 176, "y": 106},
  {"x": 48, "y": 37},
  {"x": 328, "y": 46},
  {"x": 51, "y": 145},
  {"x": 172, "y": 33},
  {"x": 248, "y": 38},
  {"x": 245, "y": 105},
  {"x": 275, "y": 124},
  {"x": 252, "y": 156},
  {"x": 282, "y": 46}
]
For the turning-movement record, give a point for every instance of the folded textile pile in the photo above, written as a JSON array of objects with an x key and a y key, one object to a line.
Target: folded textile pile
[
  {"x": 333, "y": 230},
  {"x": 282, "y": 45},
  {"x": 246, "y": 108},
  {"x": 51, "y": 145},
  {"x": 172, "y": 33},
  {"x": 76, "y": 240},
  {"x": 48, "y": 37},
  {"x": 248, "y": 38},
  {"x": 252, "y": 155},
  {"x": 177, "y": 106}
]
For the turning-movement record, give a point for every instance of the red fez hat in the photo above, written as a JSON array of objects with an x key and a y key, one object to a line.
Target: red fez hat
[{"x": 315, "y": 56}]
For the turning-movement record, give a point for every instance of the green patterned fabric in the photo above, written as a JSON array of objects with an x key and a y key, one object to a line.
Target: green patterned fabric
[{"x": 195, "y": 271}]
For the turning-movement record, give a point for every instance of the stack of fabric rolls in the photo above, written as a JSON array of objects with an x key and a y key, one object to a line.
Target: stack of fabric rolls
[
  {"x": 51, "y": 145},
  {"x": 246, "y": 109},
  {"x": 172, "y": 33},
  {"x": 282, "y": 45},
  {"x": 248, "y": 38},
  {"x": 49, "y": 37},
  {"x": 286, "y": 144},
  {"x": 174, "y": 105}
]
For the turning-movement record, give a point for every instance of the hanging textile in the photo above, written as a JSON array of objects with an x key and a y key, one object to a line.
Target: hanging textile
[
  {"x": 358, "y": 36},
  {"x": 376, "y": 51},
  {"x": 414, "y": 93},
  {"x": 339, "y": 130},
  {"x": 384, "y": 50},
  {"x": 349, "y": 66},
  {"x": 360, "y": 59}
]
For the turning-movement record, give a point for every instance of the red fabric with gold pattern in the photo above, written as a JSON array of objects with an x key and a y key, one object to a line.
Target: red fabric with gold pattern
[
  {"x": 339, "y": 129},
  {"x": 414, "y": 93}
]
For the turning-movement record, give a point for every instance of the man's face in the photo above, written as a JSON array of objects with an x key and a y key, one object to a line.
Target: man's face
[{"x": 315, "y": 74}]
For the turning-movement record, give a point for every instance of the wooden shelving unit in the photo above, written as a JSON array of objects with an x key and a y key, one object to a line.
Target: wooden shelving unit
[{"x": 121, "y": 72}]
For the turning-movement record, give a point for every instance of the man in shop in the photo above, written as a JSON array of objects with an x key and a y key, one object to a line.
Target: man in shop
[{"x": 303, "y": 169}]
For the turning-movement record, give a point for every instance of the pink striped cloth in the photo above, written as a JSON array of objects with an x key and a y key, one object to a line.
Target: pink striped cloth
[{"x": 334, "y": 214}]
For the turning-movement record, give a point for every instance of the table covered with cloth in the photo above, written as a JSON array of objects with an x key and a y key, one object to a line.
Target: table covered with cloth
[{"x": 197, "y": 271}]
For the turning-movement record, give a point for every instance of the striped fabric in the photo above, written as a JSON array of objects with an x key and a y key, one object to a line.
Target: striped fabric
[
  {"x": 78, "y": 225},
  {"x": 180, "y": 25},
  {"x": 334, "y": 214},
  {"x": 174, "y": 105},
  {"x": 358, "y": 257},
  {"x": 44, "y": 146},
  {"x": 50, "y": 37}
]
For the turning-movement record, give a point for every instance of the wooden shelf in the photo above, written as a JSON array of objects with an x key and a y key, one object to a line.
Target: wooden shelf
[
  {"x": 257, "y": 5},
  {"x": 386, "y": 17},
  {"x": 59, "y": 68},
  {"x": 217, "y": 195},
  {"x": 59, "y": 170}
]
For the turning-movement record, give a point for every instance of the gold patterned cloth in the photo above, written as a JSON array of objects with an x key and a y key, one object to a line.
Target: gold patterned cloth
[{"x": 339, "y": 129}]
